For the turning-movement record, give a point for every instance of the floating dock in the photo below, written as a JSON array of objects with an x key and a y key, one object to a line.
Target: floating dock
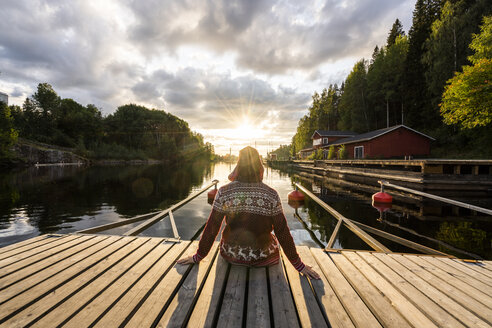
[
  {"x": 425, "y": 174},
  {"x": 90, "y": 280}
]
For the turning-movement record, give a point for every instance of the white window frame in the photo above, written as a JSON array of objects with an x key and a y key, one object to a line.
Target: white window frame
[
  {"x": 356, "y": 148},
  {"x": 325, "y": 141}
]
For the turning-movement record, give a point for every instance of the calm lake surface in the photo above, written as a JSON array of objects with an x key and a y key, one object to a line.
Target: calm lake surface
[{"x": 63, "y": 199}]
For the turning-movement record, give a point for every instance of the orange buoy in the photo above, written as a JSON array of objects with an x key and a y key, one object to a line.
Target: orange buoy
[
  {"x": 382, "y": 197},
  {"x": 295, "y": 195}
]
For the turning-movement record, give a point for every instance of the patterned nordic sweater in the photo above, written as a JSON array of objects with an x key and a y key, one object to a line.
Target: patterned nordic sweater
[{"x": 251, "y": 211}]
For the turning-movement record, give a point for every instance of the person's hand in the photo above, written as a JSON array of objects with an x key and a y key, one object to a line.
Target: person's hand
[
  {"x": 186, "y": 260},
  {"x": 309, "y": 272}
]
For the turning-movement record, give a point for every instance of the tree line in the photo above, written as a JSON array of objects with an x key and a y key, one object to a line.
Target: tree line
[
  {"x": 437, "y": 79},
  {"x": 131, "y": 132}
]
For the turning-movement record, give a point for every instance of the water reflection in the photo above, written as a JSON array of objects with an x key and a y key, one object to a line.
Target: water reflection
[
  {"x": 69, "y": 198},
  {"x": 452, "y": 230},
  {"x": 66, "y": 199}
]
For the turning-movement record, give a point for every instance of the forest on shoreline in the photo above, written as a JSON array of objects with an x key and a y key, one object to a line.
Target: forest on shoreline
[
  {"x": 437, "y": 80},
  {"x": 131, "y": 132}
]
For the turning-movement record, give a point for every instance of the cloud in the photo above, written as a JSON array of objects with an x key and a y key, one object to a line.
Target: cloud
[
  {"x": 210, "y": 62},
  {"x": 267, "y": 36}
]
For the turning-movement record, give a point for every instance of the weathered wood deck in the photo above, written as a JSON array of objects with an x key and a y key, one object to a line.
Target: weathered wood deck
[{"x": 114, "y": 281}]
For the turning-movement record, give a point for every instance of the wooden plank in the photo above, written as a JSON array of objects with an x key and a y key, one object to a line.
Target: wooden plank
[
  {"x": 64, "y": 310},
  {"x": 465, "y": 300},
  {"x": 358, "y": 311},
  {"x": 39, "y": 251},
  {"x": 284, "y": 311},
  {"x": 487, "y": 265},
  {"x": 443, "y": 300},
  {"x": 380, "y": 305},
  {"x": 333, "y": 308},
  {"x": 23, "y": 280},
  {"x": 75, "y": 274},
  {"x": 310, "y": 313},
  {"x": 471, "y": 280},
  {"x": 457, "y": 283},
  {"x": 162, "y": 294},
  {"x": 408, "y": 310},
  {"x": 207, "y": 305},
  {"x": 418, "y": 298},
  {"x": 177, "y": 312},
  {"x": 258, "y": 314},
  {"x": 103, "y": 302},
  {"x": 473, "y": 269},
  {"x": 129, "y": 303},
  {"x": 49, "y": 256},
  {"x": 24, "y": 245},
  {"x": 232, "y": 308}
]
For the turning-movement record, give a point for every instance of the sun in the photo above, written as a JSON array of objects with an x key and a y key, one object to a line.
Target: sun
[{"x": 244, "y": 130}]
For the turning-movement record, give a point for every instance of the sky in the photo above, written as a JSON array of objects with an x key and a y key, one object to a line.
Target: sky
[{"x": 239, "y": 72}]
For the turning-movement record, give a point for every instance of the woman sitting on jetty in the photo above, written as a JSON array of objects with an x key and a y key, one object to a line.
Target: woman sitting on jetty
[{"x": 251, "y": 210}]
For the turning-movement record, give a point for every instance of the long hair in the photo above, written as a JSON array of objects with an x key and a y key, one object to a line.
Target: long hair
[{"x": 249, "y": 167}]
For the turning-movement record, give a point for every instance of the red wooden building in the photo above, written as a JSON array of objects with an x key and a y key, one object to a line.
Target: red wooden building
[{"x": 396, "y": 141}]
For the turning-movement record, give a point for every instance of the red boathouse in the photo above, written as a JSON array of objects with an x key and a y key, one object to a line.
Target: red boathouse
[{"x": 395, "y": 141}]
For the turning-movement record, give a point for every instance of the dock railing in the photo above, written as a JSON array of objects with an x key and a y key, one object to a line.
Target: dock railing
[
  {"x": 439, "y": 198},
  {"x": 358, "y": 228},
  {"x": 157, "y": 216}
]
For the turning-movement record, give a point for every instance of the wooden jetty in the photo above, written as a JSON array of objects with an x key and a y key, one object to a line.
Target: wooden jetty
[
  {"x": 421, "y": 174},
  {"x": 83, "y": 280},
  {"x": 86, "y": 279}
]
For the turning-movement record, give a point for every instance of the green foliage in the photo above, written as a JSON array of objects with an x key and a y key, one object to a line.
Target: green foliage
[
  {"x": 481, "y": 43},
  {"x": 446, "y": 49},
  {"x": 331, "y": 152},
  {"x": 385, "y": 88},
  {"x": 353, "y": 104},
  {"x": 395, "y": 32},
  {"x": 342, "y": 152},
  {"x": 320, "y": 154},
  {"x": 132, "y": 132},
  {"x": 467, "y": 99},
  {"x": 283, "y": 152},
  {"x": 323, "y": 114},
  {"x": 8, "y": 135}
]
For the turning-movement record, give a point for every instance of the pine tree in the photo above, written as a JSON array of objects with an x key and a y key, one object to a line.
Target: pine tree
[
  {"x": 420, "y": 112},
  {"x": 396, "y": 31}
]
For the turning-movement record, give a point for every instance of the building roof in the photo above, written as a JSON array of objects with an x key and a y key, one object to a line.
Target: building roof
[
  {"x": 332, "y": 133},
  {"x": 374, "y": 134}
]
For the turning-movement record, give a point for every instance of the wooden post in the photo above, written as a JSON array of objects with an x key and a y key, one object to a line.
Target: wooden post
[{"x": 457, "y": 169}]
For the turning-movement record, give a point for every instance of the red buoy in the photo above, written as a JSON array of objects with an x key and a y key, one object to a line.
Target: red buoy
[
  {"x": 381, "y": 207},
  {"x": 295, "y": 204},
  {"x": 382, "y": 197},
  {"x": 295, "y": 195}
]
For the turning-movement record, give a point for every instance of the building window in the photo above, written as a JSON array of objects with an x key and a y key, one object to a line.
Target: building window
[
  {"x": 359, "y": 152},
  {"x": 325, "y": 141}
]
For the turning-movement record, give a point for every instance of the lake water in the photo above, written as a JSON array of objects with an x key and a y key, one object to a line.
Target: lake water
[{"x": 63, "y": 199}]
